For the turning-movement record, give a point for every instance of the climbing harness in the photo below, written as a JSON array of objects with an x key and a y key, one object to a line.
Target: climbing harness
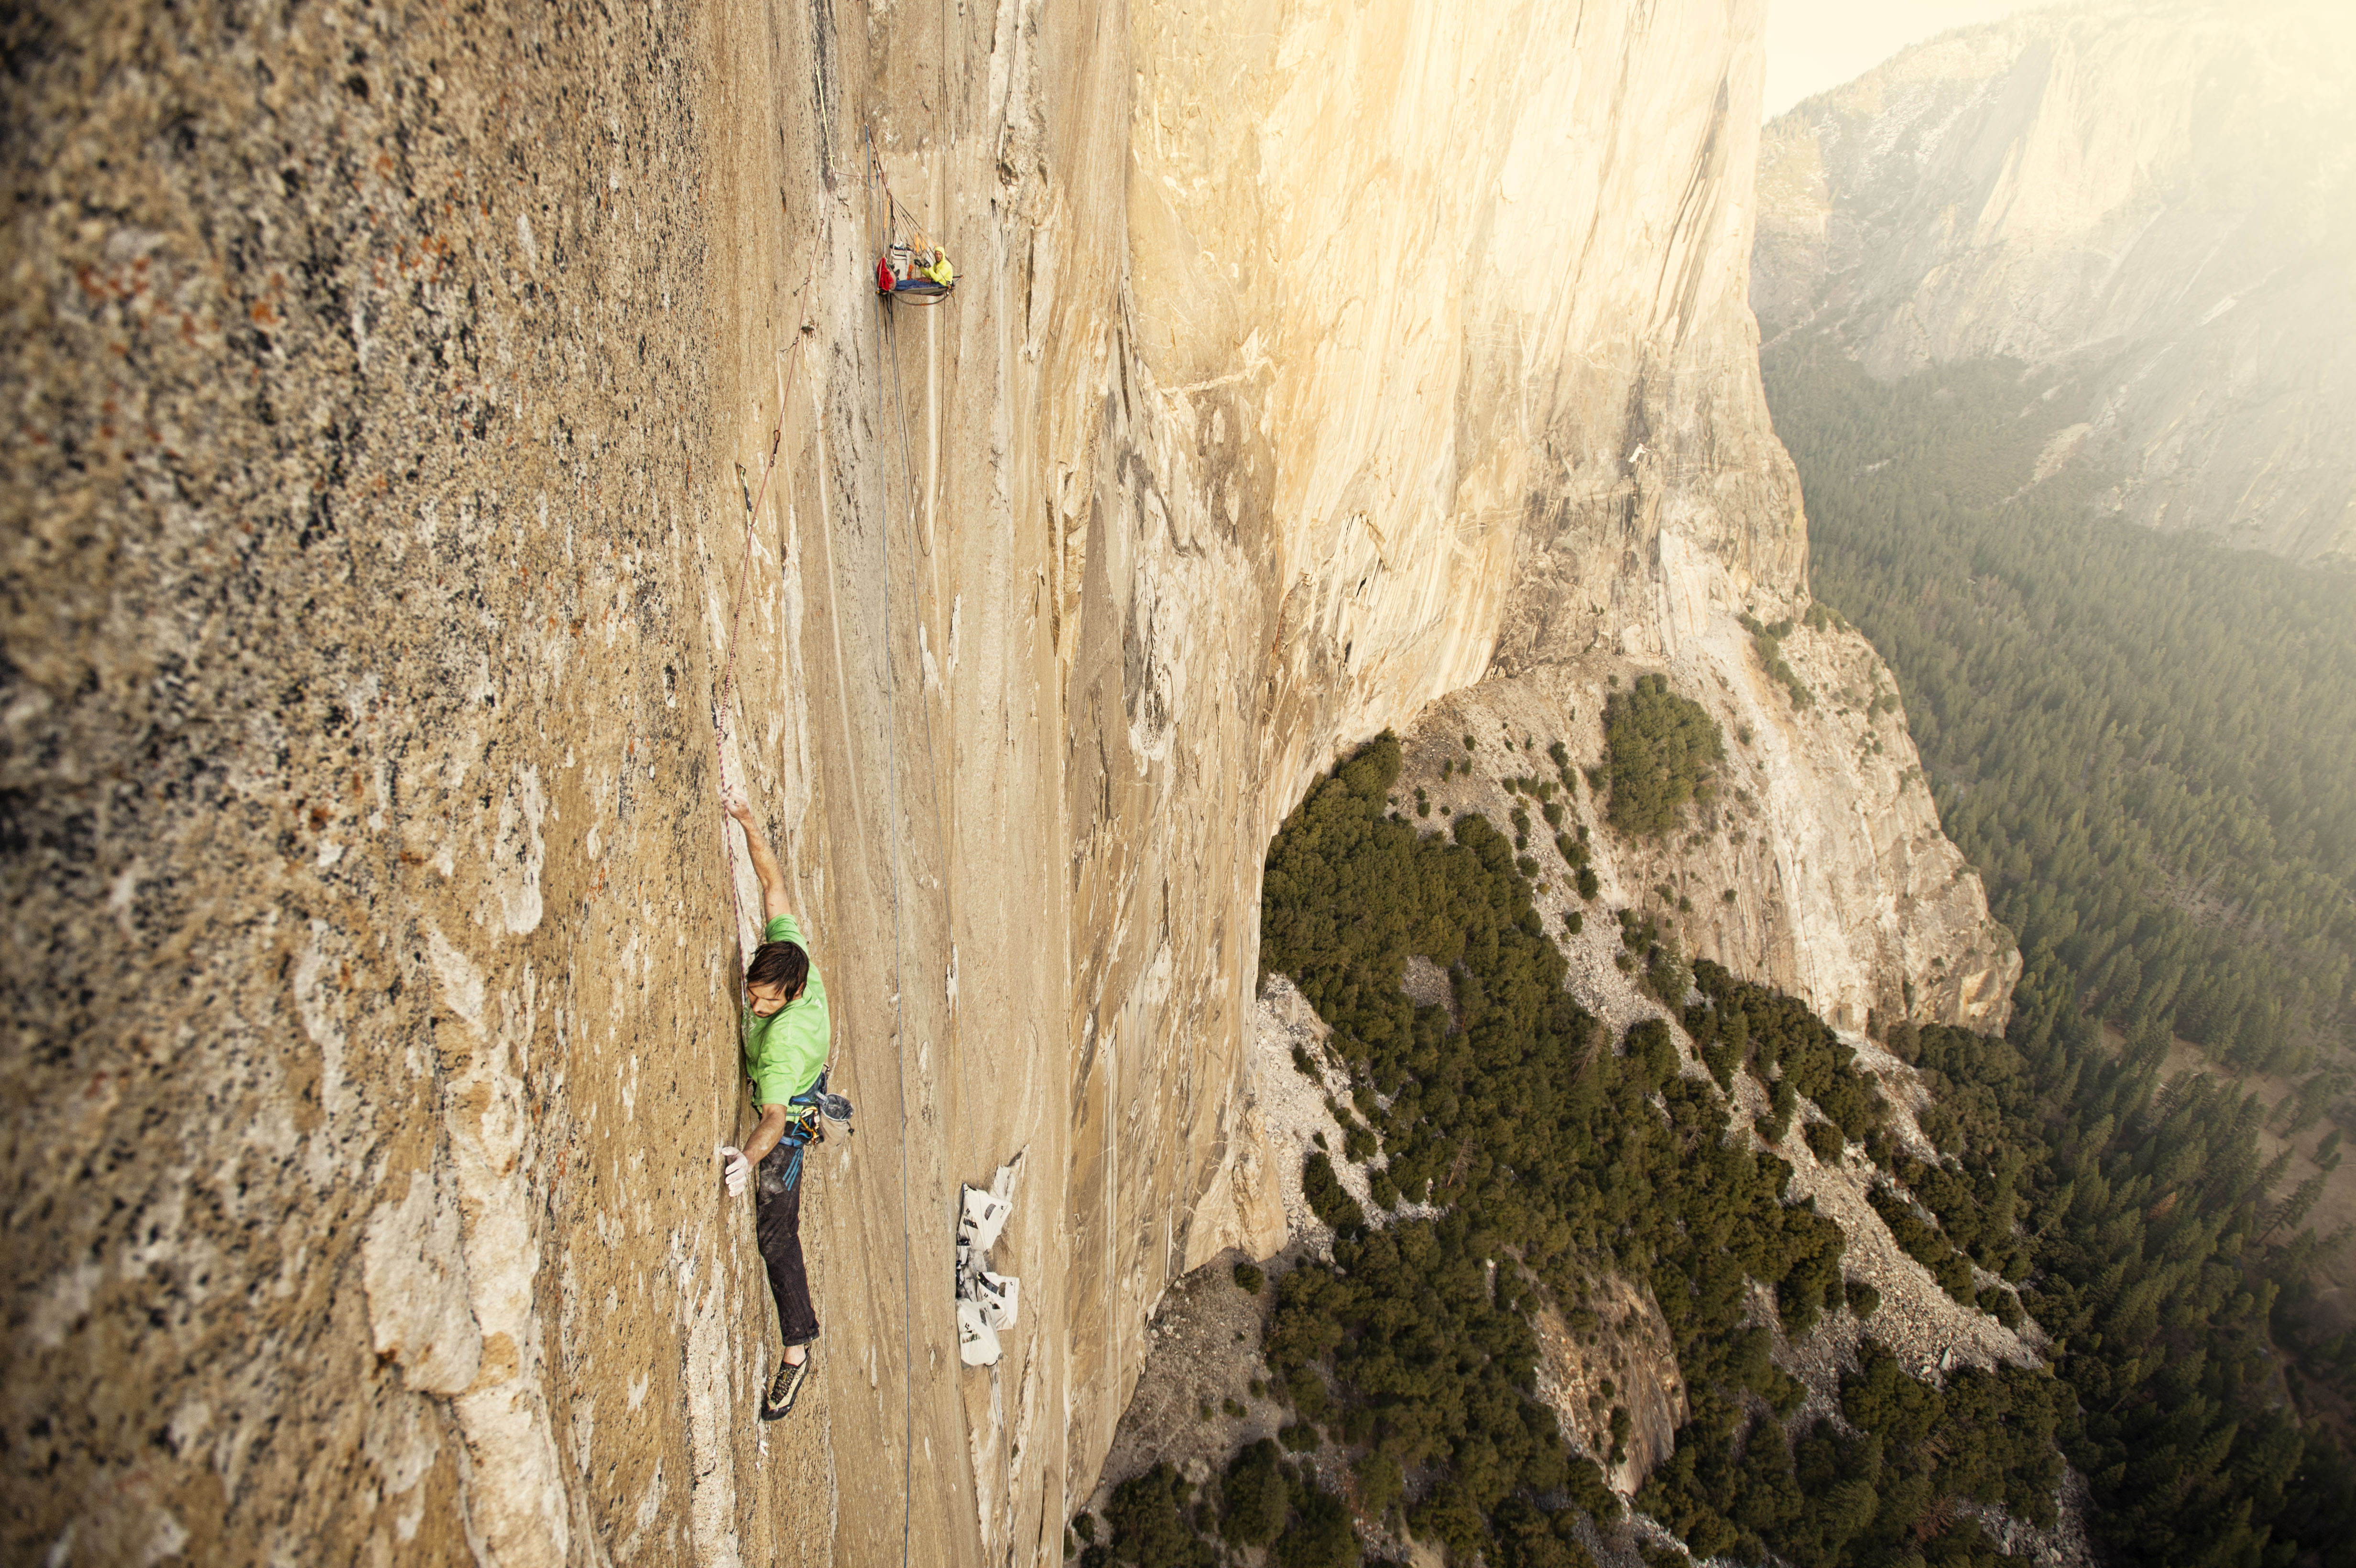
[
  {"x": 806, "y": 1114},
  {"x": 910, "y": 270}
]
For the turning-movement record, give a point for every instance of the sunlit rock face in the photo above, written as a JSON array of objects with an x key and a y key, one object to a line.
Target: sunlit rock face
[
  {"x": 425, "y": 425},
  {"x": 2154, "y": 197}
]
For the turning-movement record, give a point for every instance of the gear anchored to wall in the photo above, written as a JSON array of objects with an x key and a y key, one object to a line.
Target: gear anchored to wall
[
  {"x": 986, "y": 1302},
  {"x": 911, "y": 270}
]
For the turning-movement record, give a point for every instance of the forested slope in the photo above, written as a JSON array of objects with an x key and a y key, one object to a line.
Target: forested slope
[
  {"x": 2136, "y": 1219},
  {"x": 2146, "y": 743}
]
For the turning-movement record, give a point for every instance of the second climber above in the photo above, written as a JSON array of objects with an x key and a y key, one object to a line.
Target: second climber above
[{"x": 919, "y": 272}]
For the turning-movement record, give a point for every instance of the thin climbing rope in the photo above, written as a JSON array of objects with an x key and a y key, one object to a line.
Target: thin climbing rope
[
  {"x": 899, "y": 1012},
  {"x": 723, "y": 702},
  {"x": 895, "y": 211},
  {"x": 907, "y": 477},
  {"x": 889, "y": 336},
  {"x": 887, "y": 344}
]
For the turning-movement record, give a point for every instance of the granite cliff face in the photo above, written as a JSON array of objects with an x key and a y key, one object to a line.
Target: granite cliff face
[
  {"x": 2154, "y": 195},
  {"x": 389, "y": 504}
]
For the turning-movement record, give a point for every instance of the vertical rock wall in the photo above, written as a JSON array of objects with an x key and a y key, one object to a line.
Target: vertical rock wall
[
  {"x": 420, "y": 416},
  {"x": 368, "y": 1007}
]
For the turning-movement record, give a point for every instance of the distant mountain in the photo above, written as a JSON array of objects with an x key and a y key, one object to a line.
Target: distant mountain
[{"x": 2155, "y": 197}]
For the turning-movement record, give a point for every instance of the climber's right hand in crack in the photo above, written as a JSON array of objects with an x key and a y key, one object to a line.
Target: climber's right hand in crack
[
  {"x": 734, "y": 801},
  {"x": 735, "y": 1170}
]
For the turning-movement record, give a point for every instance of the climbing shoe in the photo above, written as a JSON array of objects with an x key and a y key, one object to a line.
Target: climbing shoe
[{"x": 785, "y": 1387}]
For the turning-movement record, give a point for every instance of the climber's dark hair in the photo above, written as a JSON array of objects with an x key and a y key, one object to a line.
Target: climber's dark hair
[{"x": 780, "y": 964}]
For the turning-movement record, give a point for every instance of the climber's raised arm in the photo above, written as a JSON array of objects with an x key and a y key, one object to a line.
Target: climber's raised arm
[{"x": 756, "y": 844}]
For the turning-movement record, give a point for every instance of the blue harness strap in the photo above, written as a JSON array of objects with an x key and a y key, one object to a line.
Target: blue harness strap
[
  {"x": 802, "y": 1124},
  {"x": 793, "y": 1172}
]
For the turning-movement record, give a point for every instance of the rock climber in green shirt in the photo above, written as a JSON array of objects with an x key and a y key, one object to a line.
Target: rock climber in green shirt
[{"x": 785, "y": 1035}]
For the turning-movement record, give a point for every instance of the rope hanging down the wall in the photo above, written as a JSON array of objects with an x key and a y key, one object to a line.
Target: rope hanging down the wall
[
  {"x": 899, "y": 1030},
  {"x": 723, "y": 701},
  {"x": 722, "y": 712}
]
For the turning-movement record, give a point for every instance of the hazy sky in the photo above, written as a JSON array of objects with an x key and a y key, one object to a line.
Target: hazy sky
[{"x": 1815, "y": 44}]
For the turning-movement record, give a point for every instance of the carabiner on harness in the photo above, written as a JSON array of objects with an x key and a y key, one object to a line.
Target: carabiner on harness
[{"x": 804, "y": 1125}]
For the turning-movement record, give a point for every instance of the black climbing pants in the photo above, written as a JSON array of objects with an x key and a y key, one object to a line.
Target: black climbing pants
[{"x": 777, "y": 1221}]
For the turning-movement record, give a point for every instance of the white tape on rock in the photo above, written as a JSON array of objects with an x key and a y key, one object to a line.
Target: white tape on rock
[{"x": 986, "y": 1302}]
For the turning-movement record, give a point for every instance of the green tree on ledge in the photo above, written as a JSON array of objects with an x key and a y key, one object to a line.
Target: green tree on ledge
[{"x": 1662, "y": 748}]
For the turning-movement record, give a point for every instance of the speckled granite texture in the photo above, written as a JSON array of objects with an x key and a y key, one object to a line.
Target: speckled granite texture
[{"x": 356, "y": 396}]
